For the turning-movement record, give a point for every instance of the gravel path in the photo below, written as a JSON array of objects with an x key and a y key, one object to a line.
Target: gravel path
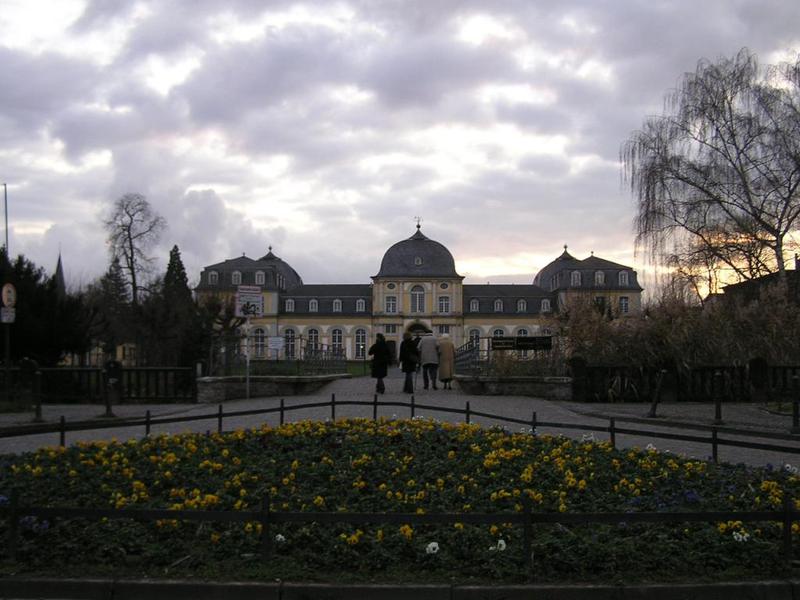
[{"x": 684, "y": 416}]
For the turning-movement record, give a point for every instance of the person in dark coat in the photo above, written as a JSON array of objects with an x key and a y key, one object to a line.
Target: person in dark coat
[
  {"x": 381, "y": 357},
  {"x": 409, "y": 359}
]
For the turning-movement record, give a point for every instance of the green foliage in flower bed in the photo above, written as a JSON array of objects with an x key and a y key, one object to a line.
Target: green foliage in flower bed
[{"x": 394, "y": 466}]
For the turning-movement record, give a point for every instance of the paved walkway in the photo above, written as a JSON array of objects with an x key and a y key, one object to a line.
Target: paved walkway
[{"x": 687, "y": 416}]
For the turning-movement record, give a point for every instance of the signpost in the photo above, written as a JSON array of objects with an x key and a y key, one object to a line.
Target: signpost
[
  {"x": 7, "y": 317},
  {"x": 522, "y": 342},
  {"x": 249, "y": 303}
]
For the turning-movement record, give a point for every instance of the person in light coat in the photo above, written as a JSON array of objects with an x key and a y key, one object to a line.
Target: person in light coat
[
  {"x": 447, "y": 361},
  {"x": 429, "y": 358}
]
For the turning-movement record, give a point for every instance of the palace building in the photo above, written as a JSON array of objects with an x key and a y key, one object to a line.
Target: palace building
[{"x": 416, "y": 289}]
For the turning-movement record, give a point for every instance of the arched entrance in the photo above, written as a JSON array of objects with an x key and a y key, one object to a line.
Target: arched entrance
[{"x": 417, "y": 329}]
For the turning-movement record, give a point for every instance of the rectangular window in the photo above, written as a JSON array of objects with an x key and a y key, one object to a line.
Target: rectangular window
[
  {"x": 623, "y": 305},
  {"x": 444, "y": 304},
  {"x": 444, "y": 329},
  {"x": 390, "y": 328},
  {"x": 391, "y": 304}
]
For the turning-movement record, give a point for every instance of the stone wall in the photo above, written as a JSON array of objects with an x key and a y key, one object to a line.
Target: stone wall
[
  {"x": 220, "y": 389},
  {"x": 550, "y": 388}
]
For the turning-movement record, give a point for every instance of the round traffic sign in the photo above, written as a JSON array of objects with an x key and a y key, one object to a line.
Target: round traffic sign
[{"x": 9, "y": 294}]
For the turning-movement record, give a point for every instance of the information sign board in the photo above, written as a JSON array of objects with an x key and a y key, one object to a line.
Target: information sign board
[
  {"x": 249, "y": 301},
  {"x": 8, "y": 315},
  {"x": 9, "y": 294},
  {"x": 275, "y": 342}
]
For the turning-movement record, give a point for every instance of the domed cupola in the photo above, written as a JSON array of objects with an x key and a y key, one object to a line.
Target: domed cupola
[
  {"x": 278, "y": 267},
  {"x": 418, "y": 256},
  {"x": 565, "y": 261}
]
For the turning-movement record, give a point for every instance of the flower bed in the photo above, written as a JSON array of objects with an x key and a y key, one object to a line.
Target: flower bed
[{"x": 395, "y": 466}]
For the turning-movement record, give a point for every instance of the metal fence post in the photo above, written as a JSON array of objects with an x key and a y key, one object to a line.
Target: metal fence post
[
  {"x": 147, "y": 423},
  {"x": 375, "y": 407},
  {"x": 283, "y": 408},
  {"x": 716, "y": 392},
  {"x": 333, "y": 407},
  {"x": 612, "y": 432},
  {"x": 466, "y": 414},
  {"x": 714, "y": 445},
  {"x": 533, "y": 423},
  {"x": 37, "y": 397},
  {"x": 795, "y": 404},
  {"x": 219, "y": 419},
  {"x": 62, "y": 432},
  {"x": 413, "y": 407}
]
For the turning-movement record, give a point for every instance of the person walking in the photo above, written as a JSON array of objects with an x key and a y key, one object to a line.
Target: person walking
[
  {"x": 409, "y": 358},
  {"x": 429, "y": 357},
  {"x": 447, "y": 361},
  {"x": 381, "y": 357}
]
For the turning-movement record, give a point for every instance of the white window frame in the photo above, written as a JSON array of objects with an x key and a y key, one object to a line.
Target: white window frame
[
  {"x": 236, "y": 278},
  {"x": 313, "y": 338},
  {"x": 289, "y": 336},
  {"x": 337, "y": 339},
  {"x": 390, "y": 328},
  {"x": 498, "y": 305},
  {"x": 313, "y": 305},
  {"x": 391, "y": 305},
  {"x": 474, "y": 305},
  {"x": 361, "y": 305},
  {"x": 337, "y": 305},
  {"x": 498, "y": 332},
  {"x": 361, "y": 343},
  {"x": 575, "y": 279},
  {"x": 522, "y": 305},
  {"x": 290, "y": 305},
  {"x": 213, "y": 278},
  {"x": 599, "y": 278},
  {"x": 624, "y": 278},
  {"x": 474, "y": 336},
  {"x": 443, "y": 329},
  {"x": 417, "y": 299},
  {"x": 545, "y": 305},
  {"x": 624, "y": 305},
  {"x": 260, "y": 278},
  {"x": 259, "y": 342},
  {"x": 444, "y": 305}
]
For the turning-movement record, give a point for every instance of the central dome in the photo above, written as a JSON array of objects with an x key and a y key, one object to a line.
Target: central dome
[{"x": 418, "y": 256}]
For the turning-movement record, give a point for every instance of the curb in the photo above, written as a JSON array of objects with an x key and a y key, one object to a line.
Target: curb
[{"x": 106, "y": 589}]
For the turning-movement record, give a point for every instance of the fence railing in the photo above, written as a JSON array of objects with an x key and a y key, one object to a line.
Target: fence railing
[
  {"x": 15, "y": 511},
  {"x": 713, "y": 439}
]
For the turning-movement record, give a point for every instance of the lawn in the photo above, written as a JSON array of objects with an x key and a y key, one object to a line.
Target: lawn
[{"x": 393, "y": 466}]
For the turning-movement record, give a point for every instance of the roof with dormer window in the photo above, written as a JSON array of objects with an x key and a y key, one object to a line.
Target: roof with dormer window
[{"x": 418, "y": 256}]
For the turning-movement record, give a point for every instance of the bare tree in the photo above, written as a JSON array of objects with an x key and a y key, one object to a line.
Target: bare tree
[
  {"x": 133, "y": 227},
  {"x": 716, "y": 177}
]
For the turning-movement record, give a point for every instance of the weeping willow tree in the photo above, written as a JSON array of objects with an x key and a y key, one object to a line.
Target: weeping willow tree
[{"x": 716, "y": 176}]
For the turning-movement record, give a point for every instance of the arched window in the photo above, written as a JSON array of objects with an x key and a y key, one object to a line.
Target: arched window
[
  {"x": 260, "y": 278},
  {"x": 599, "y": 278},
  {"x": 289, "y": 305},
  {"x": 258, "y": 342},
  {"x": 522, "y": 332},
  {"x": 474, "y": 305},
  {"x": 213, "y": 278},
  {"x": 623, "y": 278},
  {"x": 313, "y": 338},
  {"x": 522, "y": 305},
  {"x": 417, "y": 299},
  {"x": 498, "y": 333},
  {"x": 337, "y": 305},
  {"x": 361, "y": 305},
  {"x": 236, "y": 278},
  {"x": 498, "y": 305},
  {"x": 313, "y": 305},
  {"x": 475, "y": 336},
  {"x": 361, "y": 343},
  {"x": 289, "y": 336},
  {"x": 546, "y": 305},
  {"x": 575, "y": 278},
  {"x": 336, "y": 339}
]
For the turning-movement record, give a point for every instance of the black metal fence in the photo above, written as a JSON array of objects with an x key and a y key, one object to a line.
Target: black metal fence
[{"x": 483, "y": 357}]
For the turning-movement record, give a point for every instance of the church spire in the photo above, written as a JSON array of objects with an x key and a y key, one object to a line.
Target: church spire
[{"x": 61, "y": 286}]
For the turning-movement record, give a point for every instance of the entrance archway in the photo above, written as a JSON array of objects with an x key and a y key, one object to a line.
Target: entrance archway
[{"x": 417, "y": 329}]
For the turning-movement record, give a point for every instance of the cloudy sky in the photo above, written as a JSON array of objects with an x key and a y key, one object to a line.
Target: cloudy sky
[{"x": 323, "y": 128}]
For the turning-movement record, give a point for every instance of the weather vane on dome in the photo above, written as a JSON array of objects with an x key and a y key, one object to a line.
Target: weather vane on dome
[{"x": 418, "y": 220}]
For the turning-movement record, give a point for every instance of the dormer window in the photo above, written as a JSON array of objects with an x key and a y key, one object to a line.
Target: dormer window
[
  {"x": 289, "y": 305},
  {"x": 623, "y": 278},
  {"x": 313, "y": 305},
  {"x": 599, "y": 278},
  {"x": 213, "y": 278},
  {"x": 337, "y": 305},
  {"x": 260, "y": 278},
  {"x": 522, "y": 305},
  {"x": 575, "y": 279},
  {"x": 498, "y": 305},
  {"x": 474, "y": 305},
  {"x": 418, "y": 260},
  {"x": 236, "y": 278},
  {"x": 281, "y": 282},
  {"x": 545, "y": 305},
  {"x": 361, "y": 305},
  {"x": 553, "y": 282}
]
